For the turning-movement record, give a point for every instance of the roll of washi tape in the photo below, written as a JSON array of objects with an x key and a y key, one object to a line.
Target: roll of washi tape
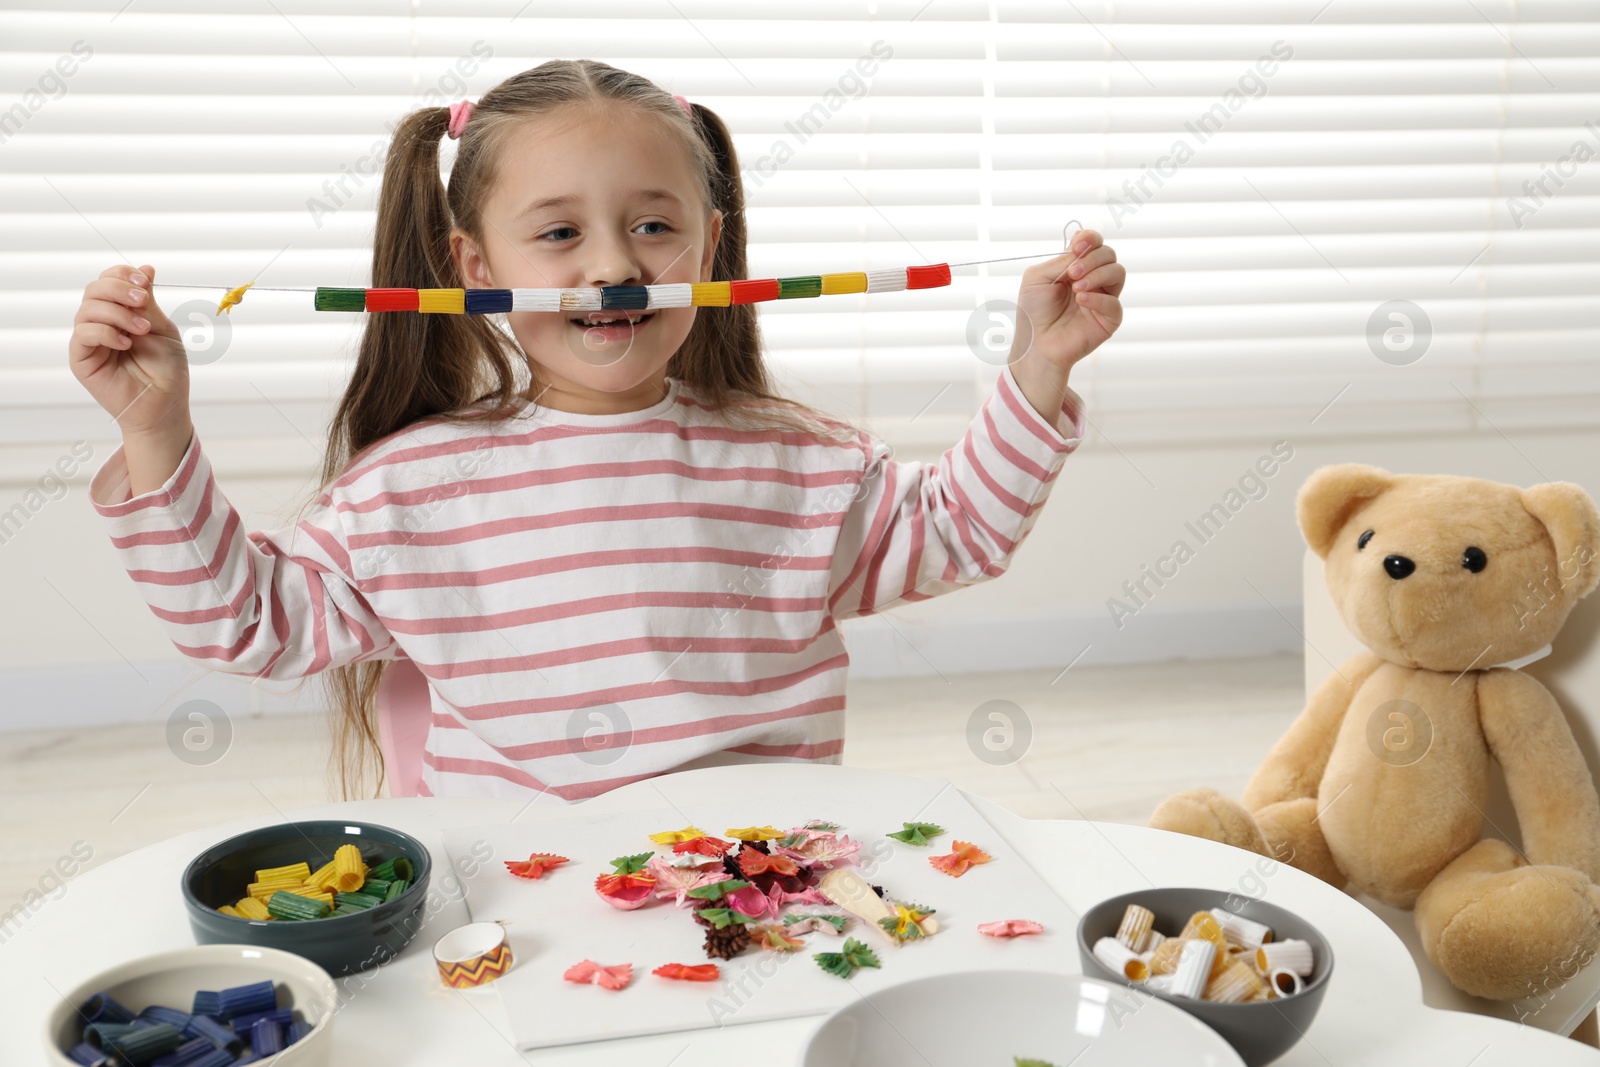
[{"x": 472, "y": 955}]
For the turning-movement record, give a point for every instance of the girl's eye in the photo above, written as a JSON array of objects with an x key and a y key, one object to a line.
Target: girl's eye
[
  {"x": 656, "y": 222},
  {"x": 552, "y": 234}
]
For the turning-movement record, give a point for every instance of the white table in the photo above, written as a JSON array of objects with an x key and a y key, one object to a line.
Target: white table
[{"x": 1373, "y": 1012}]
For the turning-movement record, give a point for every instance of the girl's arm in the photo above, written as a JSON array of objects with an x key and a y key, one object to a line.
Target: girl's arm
[
  {"x": 274, "y": 605},
  {"x": 915, "y": 530},
  {"x": 269, "y": 604}
]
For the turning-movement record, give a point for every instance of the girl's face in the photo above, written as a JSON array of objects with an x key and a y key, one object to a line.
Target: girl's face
[{"x": 587, "y": 197}]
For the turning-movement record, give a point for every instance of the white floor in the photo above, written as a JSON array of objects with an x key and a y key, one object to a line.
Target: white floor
[{"x": 1108, "y": 743}]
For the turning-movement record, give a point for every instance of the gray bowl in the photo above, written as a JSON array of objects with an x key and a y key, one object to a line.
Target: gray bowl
[
  {"x": 339, "y": 944},
  {"x": 1259, "y": 1031}
]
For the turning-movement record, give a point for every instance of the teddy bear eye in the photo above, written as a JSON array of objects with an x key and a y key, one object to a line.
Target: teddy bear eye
[
  {"x": 1474, "y": 559},
  {"x": 1362, "y": 542}
]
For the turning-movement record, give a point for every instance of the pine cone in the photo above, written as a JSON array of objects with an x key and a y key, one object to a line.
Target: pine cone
[{"x": 728, "y": 942}]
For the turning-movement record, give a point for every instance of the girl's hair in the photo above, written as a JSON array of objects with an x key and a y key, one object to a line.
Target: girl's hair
[{"x": 443, "y": 368}]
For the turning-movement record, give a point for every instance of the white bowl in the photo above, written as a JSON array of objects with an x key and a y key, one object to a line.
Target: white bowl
[
  {"x": 171, "y": 978},
  {"x": 983, "y": 1018}
]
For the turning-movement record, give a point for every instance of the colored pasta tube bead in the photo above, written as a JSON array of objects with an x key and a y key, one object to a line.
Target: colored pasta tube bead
[
  {"x": 247, "y": 999},
  {"x": 206, "y": 1002},
  {"x": 266, "y": 1037},
  {"x": 103, "y": 1008},
  {"x": 1235, "y": 982},
  {"x": 580, "y": 300},
  {"x": 396, "y": 887},
  {"x": 400, "y": 867},
  {"x": 1135, "y": 925},
  {"x": 212, "y": 1030},
  {"x": 441, "y": 302},
  {"x": 1285, "y": 956},
  {"x": 100, "y": 1034},
  {"x": 752, "y": 290},
  {"x": 711, "y": 294},
  {"x": 1153, "y": 939},
  {"x": 672, "y": 295},
  {"x": 1194, "y": 968},
  {"x": 331, "y": 299},
  {"x": 847, "y": 282},
  {"x": 138, "y": 1045},
  {"x": 296, "y": 871},
  {"x": 536, "y": 300},
  {"x": 242, "y": 1023},
  {"x": 185, "y": 1054},
  {"x": 488, "y": 301},
  {"x": 296, "y": 1030},
  {"x": 792, "y": 288},
  {"x": 1164, "y": 958},
  {"x": 624, "y": 298},
  {"x": 1117, "y": 956},
  {"x": 886, "y": 281},
  {"x": 159, "y": 1013},
  {"x": 348, "y": 868},
  {"x": 220, "y": 1057},
  {"x": 89, "y": 1055},
  {"x": 1246, "y": 933},
  {"x": 931, "y": 276},
  {"x": 294, "y": 907}
]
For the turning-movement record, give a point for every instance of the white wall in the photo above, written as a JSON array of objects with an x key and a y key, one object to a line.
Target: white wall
[{"x": 79, "y": 646}]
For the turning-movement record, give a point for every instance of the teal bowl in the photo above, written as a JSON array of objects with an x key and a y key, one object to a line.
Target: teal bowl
[{"x": 339, "y": 944}]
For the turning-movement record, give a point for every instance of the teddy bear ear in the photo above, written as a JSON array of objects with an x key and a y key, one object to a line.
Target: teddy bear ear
[
  {"x": 1329, "y": 497},
  {"x": 1569, "y": 514}
]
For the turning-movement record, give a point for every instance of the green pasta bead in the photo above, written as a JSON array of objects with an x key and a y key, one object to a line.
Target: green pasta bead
[
  {"x": 396, "y": 887},
  {"x": 357, "y": 900},
  {"x": 388, "y": 870},
  {"x": 374, "y": 887},
  {"x": 292, "y": 906},
  {"x": 347, "y": 909},
  {"x": 329, "y": 299},
  {"x": 789, "y": 288}
]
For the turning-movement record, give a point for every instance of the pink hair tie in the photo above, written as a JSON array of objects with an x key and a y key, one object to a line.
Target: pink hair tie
[
  {"x": 460, "y": 112},
  {"x": 687, "y": 110}
]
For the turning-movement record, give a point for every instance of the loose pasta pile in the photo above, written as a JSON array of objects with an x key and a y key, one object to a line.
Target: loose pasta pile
[
  {"x": 342, "y": 886},
  {"x": 1218, "y": 956},
  {"x": 240, "y": 1024}
]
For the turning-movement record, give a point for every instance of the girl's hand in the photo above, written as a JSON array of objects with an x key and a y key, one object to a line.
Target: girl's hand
[
  {"x": 1068, "y": 305},
  {"x": 129, "y": 355}
]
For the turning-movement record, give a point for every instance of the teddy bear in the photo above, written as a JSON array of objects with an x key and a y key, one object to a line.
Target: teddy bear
[{"x": 1445, "y": 580}]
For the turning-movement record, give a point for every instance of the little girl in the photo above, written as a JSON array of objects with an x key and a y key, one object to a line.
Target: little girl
[{"x": 612, "y": 551}]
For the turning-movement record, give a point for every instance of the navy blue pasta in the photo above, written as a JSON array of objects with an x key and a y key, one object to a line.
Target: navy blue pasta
[
  {"x": 207, "y": 1002},
  {"x": 297, "y": 1030},
  {"x": 215, "y": 1032},
  {"x": 625, "y": 297},
  {"x": 266, "y": 1037},
  {"x": 248, "y": 999},
  {"x": 103, "y": 1008},
  {"x": 100, "y": 1034},
  {"x": 138, "y": 1045},
  {"x": 215, "y": 1058},
  {"x": 160, "y": 1013},
  {"x": 243, "y": 1023},
  {"x": 488, "y": 301},
  {"x": 185, "y": 1054},
  {"x": 88, "y": 1055}
]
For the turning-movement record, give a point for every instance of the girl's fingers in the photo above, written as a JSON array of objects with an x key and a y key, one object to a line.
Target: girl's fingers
[
  {"x": 1086, "y": 263},
  {"x": 1104, "y": 305},
  {"x": 90, "y": 337},
  {"x": 1107, "y": 279},
  {"x": 129, "y": 320},
  {"x": 1085, "y": 241}
]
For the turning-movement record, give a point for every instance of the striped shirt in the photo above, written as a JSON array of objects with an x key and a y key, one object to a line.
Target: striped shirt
[{"x": 593, "y": 599}]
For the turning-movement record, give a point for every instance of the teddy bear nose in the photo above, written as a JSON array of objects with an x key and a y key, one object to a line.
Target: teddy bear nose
[{"x": 1398, "y": 566}]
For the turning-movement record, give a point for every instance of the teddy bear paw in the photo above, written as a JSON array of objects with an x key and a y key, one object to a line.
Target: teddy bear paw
[
  {"x": 1207, "y": 813},
  {"x": 1521, "y": 933}
]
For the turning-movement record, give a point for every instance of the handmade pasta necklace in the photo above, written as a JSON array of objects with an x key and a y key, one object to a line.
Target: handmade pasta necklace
[{"x": 622, "y": 297}]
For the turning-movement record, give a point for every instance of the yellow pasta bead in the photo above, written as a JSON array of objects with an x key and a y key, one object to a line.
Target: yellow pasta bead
[
  {"x": 295, "y": 871},
  {"x": 710, "y": 294},
  {"x": 251, "y": 908},
  {"x": 839, "y": 284},
  {"x": 350, "y": 870},
  {"x": 442, "y": 301}
]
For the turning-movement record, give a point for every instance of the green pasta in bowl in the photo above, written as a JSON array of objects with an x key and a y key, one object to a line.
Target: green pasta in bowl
[{"x": 346, "y": 897}]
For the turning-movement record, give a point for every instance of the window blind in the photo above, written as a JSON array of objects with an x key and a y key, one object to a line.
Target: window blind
[{"x": 1342, "y": 217}]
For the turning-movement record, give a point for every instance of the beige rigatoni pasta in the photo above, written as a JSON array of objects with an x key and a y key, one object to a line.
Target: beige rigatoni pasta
[
  {"x": 1164, "y": 959},
  {"x": 1204, "y": 926},
  {"x": 1120, "y": 958},
  {"x": 1235, "y": 982},
  {"x": 1295, "y": 956},
  {"x": 1194, "y": 968},
  {"x": 1135, "y": 927},
  {"x": 1242, "y": 932}
]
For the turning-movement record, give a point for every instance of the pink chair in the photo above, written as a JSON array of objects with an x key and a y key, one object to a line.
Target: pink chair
[{"x": 404, "y": 710}]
